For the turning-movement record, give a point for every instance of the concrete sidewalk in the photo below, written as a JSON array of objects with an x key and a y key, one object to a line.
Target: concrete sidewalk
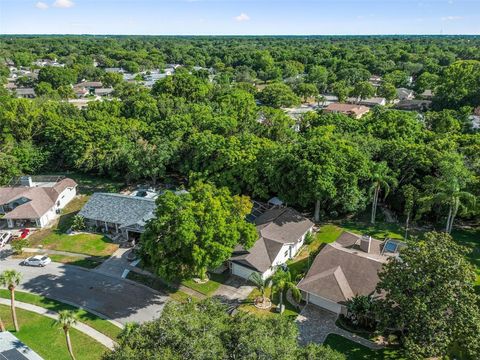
[{"x": 96, "y": 335}]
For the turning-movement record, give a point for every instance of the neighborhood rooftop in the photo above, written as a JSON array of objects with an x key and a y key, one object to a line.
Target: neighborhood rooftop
[
  {"x": 276, "y": 227},
  {"x": 118, "y": 209}
]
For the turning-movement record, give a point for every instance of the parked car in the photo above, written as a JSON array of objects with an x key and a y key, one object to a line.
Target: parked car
[
  {"x": 5, "y": 238},
  {"x": 37, "y": 260}
]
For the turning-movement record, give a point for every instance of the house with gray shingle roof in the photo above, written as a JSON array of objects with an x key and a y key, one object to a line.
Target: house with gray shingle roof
[
  {"x": 281, "y": 232},
  {"x": 119, "y": 214}
]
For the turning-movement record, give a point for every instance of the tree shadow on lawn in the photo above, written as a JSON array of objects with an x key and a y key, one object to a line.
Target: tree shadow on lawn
[{"x": 114, "y": 298}]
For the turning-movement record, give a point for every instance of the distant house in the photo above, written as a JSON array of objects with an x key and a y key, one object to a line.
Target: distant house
[
  {"x": 414, "y": 105},
  {"x": 355, "y": 111},
  {"x": 26, "y": 93},
  {"x": 35, "y": 201},
  {"x": 427, "y": 95},
  {"x": 375, "y": 80},
  {"x": 114, "y": 70},
  {"x": 85, "y": 88},
  {"x": 281, "y": 232},
  {"x": 373, "y": 101},
  {"x": 119, "y": 214},
  {"x": 345, "y": 268},
  {"x": 11, "y": 348},
  {"x": 103, "y": 91},
  {"x": 405, "y": 94}
]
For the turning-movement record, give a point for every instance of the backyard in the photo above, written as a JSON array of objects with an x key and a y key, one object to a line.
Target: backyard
[{"x": 48, "y": 340}]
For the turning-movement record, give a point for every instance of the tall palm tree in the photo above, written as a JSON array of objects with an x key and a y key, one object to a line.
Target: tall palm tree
[
  {"x": 261, "y": 283},
  {"x": 67, "y": 319},
  {"x": 381, "y": 179},
  {"x": 450, "y": 193},
  {"x": 282, "y": 280},
  {"x": 10, "y": 279}
]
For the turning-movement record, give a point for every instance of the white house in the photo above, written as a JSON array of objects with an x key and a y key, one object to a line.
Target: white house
[
  {"x": 35, "y": 202},
  {"x": 281, "y": 233}
]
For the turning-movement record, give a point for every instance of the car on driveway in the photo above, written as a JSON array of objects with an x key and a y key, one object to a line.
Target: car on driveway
[
  {"x": 4, "y": 238},
  {"x": 37, "y": 260}
]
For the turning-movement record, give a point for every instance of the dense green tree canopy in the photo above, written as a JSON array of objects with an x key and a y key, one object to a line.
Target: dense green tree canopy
[
  {"x": 196, "y": 231},
  {"x": 201, "y": 331},
  {"x": 429, "y": 294}
]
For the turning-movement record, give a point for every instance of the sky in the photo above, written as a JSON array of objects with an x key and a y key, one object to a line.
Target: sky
[{"x": 240, "y": 17}]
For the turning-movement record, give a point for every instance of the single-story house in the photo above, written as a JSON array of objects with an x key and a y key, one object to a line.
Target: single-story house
[
  {"x": 345, "y": 268},
  {"x": 119, "y": 214},
  {"x": 405, "y": 94},
  {"x": 27, "y": 93},
  {"x": 356, "y": 111},
  {"x": 427, "y": 95},
  {"x": 103, "y": 91},
  {"x": 35, "y": 201},
  {"x": 11, "y": 348},
  {"x": 373, "y": 101},
  {"x": 281, "y": 232},
  {"x": 414, "y": 105},
  {"x": 375, "y": 80}
]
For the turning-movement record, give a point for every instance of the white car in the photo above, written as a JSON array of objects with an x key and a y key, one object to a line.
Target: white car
[
  {"x": 37, "y": 260},
  {"x": 4, "y": 238}
]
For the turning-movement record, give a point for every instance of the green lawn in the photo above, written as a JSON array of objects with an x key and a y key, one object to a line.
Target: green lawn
[
  {"x": 300, "y": 264},
  {"x": 354, "y": 351},
  {"x": 92, "y": 320},
  {"x": 48, "y": 340},
  {"x": 209, "y": 287},
  {"x": 88, "y": 244},
  {"x": 159, "y": 285},
  {"x": 55, "y": 238}
]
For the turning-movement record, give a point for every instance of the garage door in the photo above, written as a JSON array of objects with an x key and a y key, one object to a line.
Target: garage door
[
  {"x": 325, "y": 304},
  {"x": 241, "y": 271}
]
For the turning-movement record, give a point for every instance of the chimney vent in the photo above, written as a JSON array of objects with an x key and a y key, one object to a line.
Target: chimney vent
[
  {"x": 365, "y": 243},
  {"x": 26, "y": 181}
]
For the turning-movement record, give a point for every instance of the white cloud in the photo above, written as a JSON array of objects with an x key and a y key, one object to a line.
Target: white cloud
[
  {"x": 41, "y": 5},
  {"x": 451, "y": 18},
  {"x": 64, "y": 4},
  {"x": 242, "y": 17}
]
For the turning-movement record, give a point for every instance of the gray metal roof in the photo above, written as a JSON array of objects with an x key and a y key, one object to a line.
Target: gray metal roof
[
  {"x": 119, "y": 209},
  {"x": 13, "y": 349}
]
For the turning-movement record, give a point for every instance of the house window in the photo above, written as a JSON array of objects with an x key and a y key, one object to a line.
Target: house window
[{"x": 286, "y": 254}]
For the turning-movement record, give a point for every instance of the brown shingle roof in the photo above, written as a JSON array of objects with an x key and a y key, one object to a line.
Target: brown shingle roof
[
  {"x": 41, "y": 199},
  {"x": 349, "y": 109},
  {"x": 342, "y": 269},
  {"x": 338, "y": 274},
  {"x": 276, "y": 227}
]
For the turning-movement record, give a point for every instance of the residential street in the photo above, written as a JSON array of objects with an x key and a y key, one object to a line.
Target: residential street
[{"x": 115, "y": 298}]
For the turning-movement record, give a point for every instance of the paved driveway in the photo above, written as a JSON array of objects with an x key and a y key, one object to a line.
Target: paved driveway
[
  {"x": 315, "y": 324},
  {"x": 117, "y": 299},
  {"x": 234, "y": 289}
]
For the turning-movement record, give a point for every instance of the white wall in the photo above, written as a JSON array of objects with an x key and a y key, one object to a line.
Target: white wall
[
  {"x": 287, "y": 252},
  {"x": 325, "y": 303},
  {"x": 65, "y": 197}
]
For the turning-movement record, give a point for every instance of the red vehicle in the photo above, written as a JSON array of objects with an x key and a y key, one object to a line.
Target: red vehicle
[{"x": 24, "y": 233}]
